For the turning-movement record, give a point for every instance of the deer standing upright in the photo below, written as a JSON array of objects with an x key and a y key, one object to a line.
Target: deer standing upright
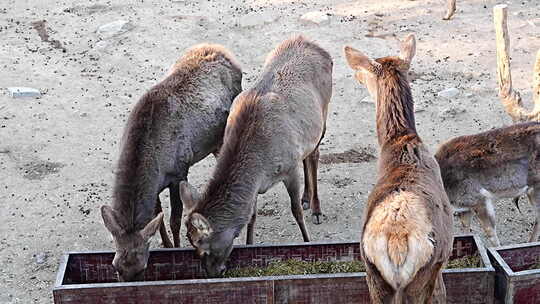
[
  {"x": 272, "y": 128},
  {"x": 407, "y": 227},
  {"x": 175, "y": 124}
]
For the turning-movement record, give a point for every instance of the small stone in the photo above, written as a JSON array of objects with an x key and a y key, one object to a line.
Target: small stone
[
  {"x": 101, "y": 45},
  {"x": 41, "y": 258},
  {"x": 534, "y": 22},
  {"x": 114, "y": 28},
  {"x": 451, "y": 112},
  {"x": 448, "y": 93},
  {"x": 17, "y": 92},
  {"x": 255, "y": 19},
  {"x": 368, "y": 99},
  {"x": 315, "y": 17}
]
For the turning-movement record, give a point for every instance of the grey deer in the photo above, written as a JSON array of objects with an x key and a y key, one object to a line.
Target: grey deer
[
  {"x": 273, "y": 127},
  {"x": 479, "y": 169},
  {"x": 177, "y": 123},
  {"x": 407, "y": 224}
]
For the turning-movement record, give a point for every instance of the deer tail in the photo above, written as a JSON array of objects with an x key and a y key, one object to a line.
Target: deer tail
[{"x": 398, "y": 248}]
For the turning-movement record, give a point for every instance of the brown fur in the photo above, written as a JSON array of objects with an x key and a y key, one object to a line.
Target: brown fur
[
  {"x": 140, "y": 140},
  {"x": 407, "y": 225},
  {"x": 175, "y": 124},
  {"x": 244, "y": 126},
  {"x": 272, "y": 128},
  {"x": 487, "y": 149},
  {"x": 501, "y": 163},
  {"x": 234, "y": 155},
  {"x": 395, "y": 116}
]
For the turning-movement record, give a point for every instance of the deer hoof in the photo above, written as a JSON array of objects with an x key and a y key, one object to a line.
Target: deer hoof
[
  {"x": 317, "y": 218},
  {"x": 305, "y": 204}
]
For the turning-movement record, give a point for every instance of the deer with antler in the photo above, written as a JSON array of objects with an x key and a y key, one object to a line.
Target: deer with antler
[{"x": 407, "y": 226}]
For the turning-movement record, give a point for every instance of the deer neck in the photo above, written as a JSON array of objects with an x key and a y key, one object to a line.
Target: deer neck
[
  {"x": 135, "y": 198},
  {"x": 395, "y": 110},
  {"x": 231, "y": 205}
]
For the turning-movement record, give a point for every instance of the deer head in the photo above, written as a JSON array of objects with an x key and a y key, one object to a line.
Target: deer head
[
  {"x": 369, "y": 70},
  {"x": 132, "y": 247},
  {"x": 213, "y": 247}
]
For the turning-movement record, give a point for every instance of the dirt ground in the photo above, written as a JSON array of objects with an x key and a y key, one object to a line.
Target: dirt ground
[{"x": 57, "y": 152}]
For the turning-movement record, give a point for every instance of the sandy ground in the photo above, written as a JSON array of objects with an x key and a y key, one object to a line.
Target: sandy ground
[{"x": 57, "y": 152}]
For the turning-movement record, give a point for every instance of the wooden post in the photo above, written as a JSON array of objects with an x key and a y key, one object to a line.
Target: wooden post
[
  {"x": 511, "y": 99},
  {"x": 450, "y": 9},
  {"x": 536, "y": 83}
]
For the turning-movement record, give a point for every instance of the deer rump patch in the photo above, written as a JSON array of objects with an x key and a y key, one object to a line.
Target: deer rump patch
[{"x": 397, "y": 237}]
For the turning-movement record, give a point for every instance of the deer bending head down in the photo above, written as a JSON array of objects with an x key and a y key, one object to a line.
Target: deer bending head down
[
  {"x": 407, "y": 226},
  {"x": 175, "y": 124},
  {"x": 481, "y": 168},
  {"x": 272, "y": 128}
]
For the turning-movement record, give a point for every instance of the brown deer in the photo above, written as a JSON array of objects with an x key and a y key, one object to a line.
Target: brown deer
[
  {"x": 177, "y": 123},
  {"x": 407, "y": 226},
  {"x": 272, "y": 128},
  {"x": 501, "y": 163}
]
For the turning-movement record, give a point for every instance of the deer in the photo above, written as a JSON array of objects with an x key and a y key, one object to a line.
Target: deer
[
  {"x": 501, "y": 163},
  {"x": 174, "y": 125},
  {"x": 272, "y": 128},
  {"x": 481, "y": 168},
  {"x": 407, "y": 221}
]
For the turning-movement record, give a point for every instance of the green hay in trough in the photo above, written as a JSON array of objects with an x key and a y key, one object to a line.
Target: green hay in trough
[
  {"x": 292, "y": 267},
  {"x": 296, "y": 267},
  {"x": 468, "y": 261}
]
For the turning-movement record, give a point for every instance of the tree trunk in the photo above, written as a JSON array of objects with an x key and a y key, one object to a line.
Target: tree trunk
[
  {"x": 450, "y": 9},
  {"x": 511, "y": 99},
  {"x": 536, "y": 83}
]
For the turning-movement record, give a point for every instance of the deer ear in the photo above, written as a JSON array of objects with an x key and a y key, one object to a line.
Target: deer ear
[
  {"x": 408, "y": 49},
  {"x": 358, "y": 61},
  {"x": 151, "y": 228},
  {"x": 201, "y": 224},
  {"x": 110, "y": 218},
  {"x": 188, "y": 195}
]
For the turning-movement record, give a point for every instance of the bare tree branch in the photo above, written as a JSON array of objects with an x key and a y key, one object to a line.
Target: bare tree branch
[
  {"x": 511, "y": 99},
  {"x": 450, "y": 10},
  {"x": 536, "y": 83}
]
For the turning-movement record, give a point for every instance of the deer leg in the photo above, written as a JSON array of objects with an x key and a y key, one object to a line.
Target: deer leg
[
  {"x": 439, "y": 292},
  {"x": 308, "y": 190},
  {"x": 465, "y": 217},
  {"x": 534, "y": 199},
  {"x": 486, "y": 214},
  {"x": 292, "y": 183},
  {"x": 176, "y": 212},
  {"x": 251, "y": 224},
  {"x": 379, "y": 290},
  {"x": 316, "y": 214},
  {"x": 162, "y": 230}
]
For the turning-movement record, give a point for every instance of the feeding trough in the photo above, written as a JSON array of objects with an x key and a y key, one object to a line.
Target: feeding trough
[
  {"x": 175, "y": 275},
  {"x": 518, "y": 272}
]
